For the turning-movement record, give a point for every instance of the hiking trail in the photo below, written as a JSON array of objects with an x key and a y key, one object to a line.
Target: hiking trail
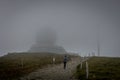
[{"x": 54, "y": 72}]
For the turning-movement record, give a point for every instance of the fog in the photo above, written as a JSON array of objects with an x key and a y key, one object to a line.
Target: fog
[{"x": 78, "y": 24}]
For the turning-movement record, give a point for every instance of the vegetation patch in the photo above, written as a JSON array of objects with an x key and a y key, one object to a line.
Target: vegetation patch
[
  {"x": 15, "y": 65},
  {"x": 100, "y": 68}
]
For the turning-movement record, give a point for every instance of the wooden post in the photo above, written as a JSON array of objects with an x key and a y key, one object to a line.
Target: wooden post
[
  {"x": 22, "y": 62},
  {"x": 53, "y": 60},
  {"x": 87, "y": 71},
  {"x": 81, "y": 65}
]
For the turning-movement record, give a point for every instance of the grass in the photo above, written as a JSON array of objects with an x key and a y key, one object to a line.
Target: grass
[
  {"x": 15, "y": 65},
  {"x": 100, "y": 68}
]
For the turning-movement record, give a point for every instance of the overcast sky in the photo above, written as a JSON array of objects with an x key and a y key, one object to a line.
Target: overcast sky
[{"x": 77, "y": 23}]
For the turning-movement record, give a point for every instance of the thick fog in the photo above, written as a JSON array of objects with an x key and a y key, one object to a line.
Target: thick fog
[{"x": 78, "y": 24}]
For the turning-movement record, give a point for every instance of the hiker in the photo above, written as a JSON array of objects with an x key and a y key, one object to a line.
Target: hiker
[{"x": 65, "y": 61}]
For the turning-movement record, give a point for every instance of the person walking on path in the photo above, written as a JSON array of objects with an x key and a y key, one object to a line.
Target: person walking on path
[{"x": 65, "y": 61}]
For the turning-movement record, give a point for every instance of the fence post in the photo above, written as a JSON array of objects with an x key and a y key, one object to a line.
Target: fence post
[
  {"x": 87, "y": 71},
  {"x": 53, "y": 60},
  {"x": 81, "y": 65},
  {"x": 22, "y": 62}
]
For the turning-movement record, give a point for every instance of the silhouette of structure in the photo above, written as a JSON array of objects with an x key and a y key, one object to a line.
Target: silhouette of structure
[{"x": 46, "y": 42}]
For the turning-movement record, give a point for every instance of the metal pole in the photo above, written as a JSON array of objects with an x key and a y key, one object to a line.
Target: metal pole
[
  {"x": 98, "y": 46},
  {"x": 98, "y": 42}
]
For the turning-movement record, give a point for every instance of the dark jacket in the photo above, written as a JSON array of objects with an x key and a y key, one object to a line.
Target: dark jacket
[{"x": 65, "y": 59}]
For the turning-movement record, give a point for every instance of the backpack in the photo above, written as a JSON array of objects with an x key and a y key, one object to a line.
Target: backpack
[{"x": 65, "y": 59}]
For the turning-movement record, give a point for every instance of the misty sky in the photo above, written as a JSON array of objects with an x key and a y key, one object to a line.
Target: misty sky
[{"x": 76, "y": 22}]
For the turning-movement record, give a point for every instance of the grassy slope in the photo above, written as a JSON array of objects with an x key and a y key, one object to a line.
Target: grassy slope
[
  {"x": 11, "y": 64},
  {"x": 100, "y": 68}
]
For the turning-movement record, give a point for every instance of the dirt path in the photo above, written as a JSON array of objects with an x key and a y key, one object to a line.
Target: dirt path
[{"x": 55, "y": 72}]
